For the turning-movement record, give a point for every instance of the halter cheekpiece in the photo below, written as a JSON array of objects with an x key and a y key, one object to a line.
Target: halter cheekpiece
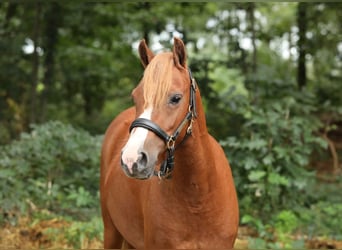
[{"x": 168, "y": 165}]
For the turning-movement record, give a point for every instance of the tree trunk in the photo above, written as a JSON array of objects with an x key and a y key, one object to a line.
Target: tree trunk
[
  {"x": 10, "y": 12},
  {"x": 250, "y": 13},
  {"x": 52, "y": 22},
  {"x": 146, "y": 30},
  {"x": 301, "y": 22},
  {"x": 35, "y": 64},
  {"x": 229, "y": 37}
]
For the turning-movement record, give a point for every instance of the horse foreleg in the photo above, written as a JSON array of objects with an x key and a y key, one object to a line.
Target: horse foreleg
[
  {"x": 126, "y": 245},
  {"x": 112, "y": 239}
]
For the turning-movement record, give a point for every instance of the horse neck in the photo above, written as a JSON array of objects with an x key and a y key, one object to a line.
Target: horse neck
[{"x": 194, "y": 158}]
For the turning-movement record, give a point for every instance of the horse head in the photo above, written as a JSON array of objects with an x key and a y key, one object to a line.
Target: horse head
[{"x": 164, "y": 106}]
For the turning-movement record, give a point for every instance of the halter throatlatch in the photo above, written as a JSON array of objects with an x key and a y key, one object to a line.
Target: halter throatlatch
[{"x": 168, "y": 165}]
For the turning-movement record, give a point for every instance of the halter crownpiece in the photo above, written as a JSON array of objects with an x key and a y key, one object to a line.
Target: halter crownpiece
[{"x": 167, "y": 166}]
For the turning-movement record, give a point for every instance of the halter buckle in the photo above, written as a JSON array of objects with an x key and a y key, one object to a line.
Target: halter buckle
[{"x": 189, "y": 129}]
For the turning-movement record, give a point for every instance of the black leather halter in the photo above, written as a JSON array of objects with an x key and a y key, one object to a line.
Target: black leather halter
[{"x": 167, "y": 166}]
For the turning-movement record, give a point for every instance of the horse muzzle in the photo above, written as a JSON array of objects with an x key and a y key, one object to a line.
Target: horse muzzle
[{"x": 137, "y": 166}]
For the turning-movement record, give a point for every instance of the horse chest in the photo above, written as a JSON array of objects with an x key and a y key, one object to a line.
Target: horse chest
[
  {"x": 186, "y": 233},
  {"x": 196, "y": 225}
]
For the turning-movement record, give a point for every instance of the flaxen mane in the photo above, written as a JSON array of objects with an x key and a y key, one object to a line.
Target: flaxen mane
[{"x": 157, "y": 79}]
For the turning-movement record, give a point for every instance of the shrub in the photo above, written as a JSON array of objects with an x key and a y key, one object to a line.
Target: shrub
[
  {"x": 271, "y": 150},
  {"x": 78, "y": 234},
  {"x": 55, "y": 166},
  {"x": 271, "y": 155}
]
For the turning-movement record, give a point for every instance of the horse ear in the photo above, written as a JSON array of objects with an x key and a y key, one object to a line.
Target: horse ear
[
  {"x": 179, "y": 54},
  {"x": 146, "y": 55}
]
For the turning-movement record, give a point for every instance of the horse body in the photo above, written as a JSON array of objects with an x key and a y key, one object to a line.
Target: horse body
[{"x": 196, "y": 208}]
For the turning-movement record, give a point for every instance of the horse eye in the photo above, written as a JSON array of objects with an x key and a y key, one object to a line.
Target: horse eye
[{"x": 175, "y": 99}]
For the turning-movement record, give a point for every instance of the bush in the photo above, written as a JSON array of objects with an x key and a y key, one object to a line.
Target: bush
[
  {"x": 78, "y": 234},
  {"x": 55, "y": 166},
  {"x": 271, "y": 155}
]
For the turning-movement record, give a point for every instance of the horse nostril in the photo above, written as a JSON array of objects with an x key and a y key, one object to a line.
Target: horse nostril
[
  {"x": 142, "y": 159},
  {"x": 134, "y": 167}
]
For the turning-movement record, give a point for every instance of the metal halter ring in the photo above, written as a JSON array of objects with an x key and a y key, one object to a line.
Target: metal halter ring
[{"x": 171, "y": 143}]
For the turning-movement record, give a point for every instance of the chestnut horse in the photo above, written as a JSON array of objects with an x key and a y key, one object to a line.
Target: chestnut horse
[{"x": 192, "y": 202}]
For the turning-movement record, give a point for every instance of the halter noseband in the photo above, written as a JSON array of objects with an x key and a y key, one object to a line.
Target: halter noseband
[{"x": 167, "y": 166}]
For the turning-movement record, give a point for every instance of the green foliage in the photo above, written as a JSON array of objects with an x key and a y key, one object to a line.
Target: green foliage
[
  {"x": 259, "y": 243},
  {"x": 55, "y": 166},
  {"x": 270, "y": 156},
  {"x": 285, "y": 224},
  {"x": 276, "y": 233},
  {"x": 227, "y": 83},
  {"x": 320, "y": 217},
  {"x": 286, "y": 221},
  {"x": 79, "y": 233},
  {"x": 227, "y": 94}
]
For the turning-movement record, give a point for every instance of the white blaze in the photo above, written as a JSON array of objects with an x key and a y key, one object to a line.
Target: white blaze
[{"x": 135, "y": 142}]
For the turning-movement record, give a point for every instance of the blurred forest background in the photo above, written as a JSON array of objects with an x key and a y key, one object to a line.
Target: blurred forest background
[{"x": 270, "y": 76}]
